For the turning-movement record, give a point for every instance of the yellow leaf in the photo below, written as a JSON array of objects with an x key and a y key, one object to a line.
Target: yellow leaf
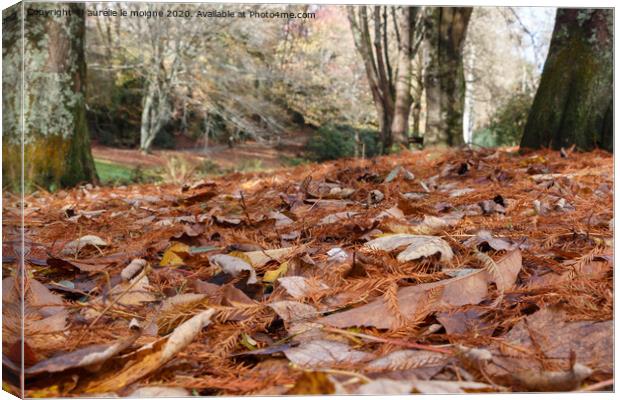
[
  {"x": 271, "y": 276},
  {"x": 262, "y": 257},
  {"x": 171, "y": 255},
  {"x": 241, "y": 255}
]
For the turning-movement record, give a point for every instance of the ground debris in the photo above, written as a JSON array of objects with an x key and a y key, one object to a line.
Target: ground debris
[{"x": 436, "y": 271}]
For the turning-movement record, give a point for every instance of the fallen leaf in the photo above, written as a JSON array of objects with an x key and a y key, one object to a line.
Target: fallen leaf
[
  {"x": 298, "y": 286},
  {"x": 280, "y": 218},
  {"x": 233, "y": 266},
  {"x": 312, "y": 382},
  {"x": 417, "y": 246},
  {"x": 172, "y": 256},
  {"x": 385, "y": 387},
  {"x": 134, "y": 267},
  {"x": 417, "y": 301},
  {"x": 333, "y": 218},
  {"x": 150, "y": 358},
  {"x": 556, "y": 336},
  {"x": 485, "y": 237},
  {"x": 324, "y": 353},
  {"x": 446, "y": 387},
  {"x": 552, "y": 381},
  {"x": 408, "y": 360},
  {"x": 130, "y": 293},
  {"x": 159, "y": 392},
  {"x": 262, "y": 257},
  {"x": 75, "y": 246},
  {"x": 87, "y": 356},
  {"x": 291, "y": 311},
  {"x": 273, "y": 275}
]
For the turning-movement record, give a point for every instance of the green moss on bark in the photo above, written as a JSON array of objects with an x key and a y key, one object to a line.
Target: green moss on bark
[{"x": 575, "y": 94}]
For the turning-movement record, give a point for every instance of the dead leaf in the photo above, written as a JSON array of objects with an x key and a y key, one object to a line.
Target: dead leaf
[
  {"x": 324, "y": 353},
  {"x": 385, "y": 387},
  {"x": 262, "y": 257},
  {"x": 75, "y": 246},
  {"x": 173, "y": 255},
  {"x": 233, "y": 266},
  {"x": 552, "y": 381},
  {"x": 485, "y": 237},
  {"x": 446, "y": 387},
  {"x": 333, "y": 218},
  {"x": 273, "y": 275},
  {"x": 298, "y": 286},
  {"x": 87, "y": 356},
  {"x": 417, "y": 246},
  {"x": 311, "y": 382},
  {"x": 408, "y": 360},
  {"x": 134, "y": 267},
  {"x": 417, "y": 301},
  {"x": 159, "y": 392},
  {"x": 291, "y": 311},
  {"x": 151, "y": 358},
  {"x": 556, "y": 336}
]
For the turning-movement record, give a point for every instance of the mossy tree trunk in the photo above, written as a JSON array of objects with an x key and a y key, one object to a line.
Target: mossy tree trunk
[
  {"x": 444, "y": 80},
  {"x": 574, "y": 101},
  {"x": 55, "y": 133}
]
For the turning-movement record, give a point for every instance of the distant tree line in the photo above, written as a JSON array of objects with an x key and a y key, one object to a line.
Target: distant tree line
[{"x": 261, "y": 82}]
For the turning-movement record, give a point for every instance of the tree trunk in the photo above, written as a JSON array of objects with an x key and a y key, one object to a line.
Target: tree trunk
[
  {"x": 574, "y": 101},
  {"x": 444, "y": 80},
  {"x": 391, "y": 90},
  {"x": 402, "y": 106},
  {"x": 155, "y": 114},
  {"x": 56, "y": 140}
]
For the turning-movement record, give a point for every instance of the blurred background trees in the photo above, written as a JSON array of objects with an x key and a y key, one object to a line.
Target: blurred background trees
[{"x": 351, "y": 81}]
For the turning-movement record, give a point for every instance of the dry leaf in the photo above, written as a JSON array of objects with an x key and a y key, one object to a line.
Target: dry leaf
[
  {"x": 87, "y": 356},
  {"x": 151, "y": 358},
  {"x": 298, "y": 286},
  {"x": 262, "y": 257},
  {"x": 407, "y": 360},
  {"x": 291, "y": 311},
  {"x": 385, "y": 387},
  {"x": 160, "y": 391},
  {"x": 172, "y": 256},
  {"x": 417, "y": 246},
  {"x": 556, "y": 336},
  {"x": 233, "y": 266},
  {"x": 78, "y": 244},
  {"x": 324, "y": 353},
  {"x": 446, "y": 387},
  {"x": 134, "y": 267},
  {"x": 417, "y": 301},
  {"x": 333, "y": 218}
]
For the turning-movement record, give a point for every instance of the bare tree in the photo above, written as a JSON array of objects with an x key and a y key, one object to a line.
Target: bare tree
[
  {"x": 444, "y": 81},
  {"x": 391, "y": 89}
]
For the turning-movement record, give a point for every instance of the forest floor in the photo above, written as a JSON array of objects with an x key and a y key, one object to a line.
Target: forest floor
[
  {"x": 430, "y": 272},
  {"x": 263, "y": 155}
]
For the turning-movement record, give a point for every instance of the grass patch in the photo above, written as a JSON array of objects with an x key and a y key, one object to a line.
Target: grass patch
[{"x": 110, "y": 173}]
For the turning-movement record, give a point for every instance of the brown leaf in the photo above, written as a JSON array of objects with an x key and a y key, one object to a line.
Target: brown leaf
[
  {"x": 324, "y": 353},
  {"x": 150, "y": 358},
  {"x": 414, "y": 301},
  {"x": 87, "y": 356},
  {"x": 550, "y": 331}
]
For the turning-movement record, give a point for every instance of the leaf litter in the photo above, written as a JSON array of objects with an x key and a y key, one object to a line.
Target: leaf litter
[{"x": 450, "y": 271}]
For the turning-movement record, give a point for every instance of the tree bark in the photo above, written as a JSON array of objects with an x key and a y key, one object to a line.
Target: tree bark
[
  {"x": 391, "y": 90},
  {"x": 55, "y": 134},
  {"x": 574, "y": 101},
  {"x": 444, "y": 81},
  {"x": 403, "y": 99}
]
